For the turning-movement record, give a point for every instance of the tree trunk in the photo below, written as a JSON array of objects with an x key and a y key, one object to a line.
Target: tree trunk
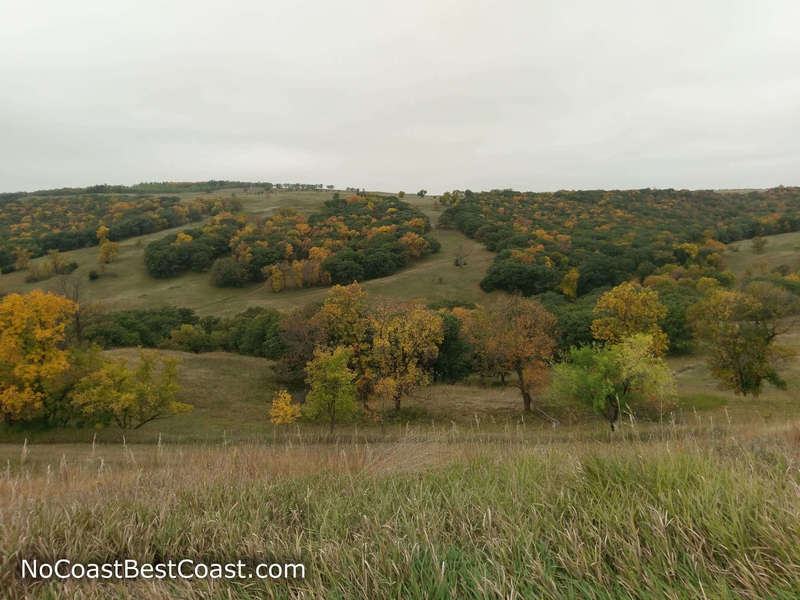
[
  {"x": 397, "y": 402},
  {"x": 613, "y": 414},
  {"x": 333, "y": 419},
  {"x": 527, "y": 401}
]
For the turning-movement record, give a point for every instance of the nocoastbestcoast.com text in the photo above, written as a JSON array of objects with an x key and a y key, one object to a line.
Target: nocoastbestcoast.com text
[{"x": 172, "y": 569}]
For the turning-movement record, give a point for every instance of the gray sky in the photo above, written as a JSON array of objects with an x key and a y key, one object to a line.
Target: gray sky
[{"x": 401, "y": 95}]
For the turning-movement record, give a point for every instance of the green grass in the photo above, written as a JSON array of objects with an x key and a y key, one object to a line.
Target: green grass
[
  {"x": 701, "y": 401},
  {"x": 679, "y": 512},
  {"x": 781, "y": 249}
]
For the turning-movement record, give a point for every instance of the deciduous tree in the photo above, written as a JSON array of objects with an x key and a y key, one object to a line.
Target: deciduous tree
[
  {"x": 283, "y": 411},
  {"x": 738, "y": 331},
  {"x": 131, "y": 398},
  {"x": 615, "y": 379},
  {"x": 516, "y": 335},
  {"x": 32, "y": 354},
  {"x": 629, "y": 309},
  {"x": 332, "y": 394},
  {"x": 405, "y": 345}
]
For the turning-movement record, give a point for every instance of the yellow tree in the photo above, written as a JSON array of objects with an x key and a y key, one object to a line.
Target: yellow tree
[
  {"x": 108, "y": 252},
  {"x": 738, "y": 331},
  {"x": 626, "y": 310},
  {"x": 569, "y": 284},
  {"x": 32, "y": 333},
  {"x": 108, "y": 249},
  {"x": 405, "y": 344},
  {"x": 102, "y": 234},
  {"x": 283, "y": 410},
  {"x": 519, "y": 335}
]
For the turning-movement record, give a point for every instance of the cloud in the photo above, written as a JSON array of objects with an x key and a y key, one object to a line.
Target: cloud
[{"x": 433, "y": 94}]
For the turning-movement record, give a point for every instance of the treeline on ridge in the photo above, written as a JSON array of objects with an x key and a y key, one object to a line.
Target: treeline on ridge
[
  {"x": 572, "y": 242},
  {"x": 32, "y": 226}
]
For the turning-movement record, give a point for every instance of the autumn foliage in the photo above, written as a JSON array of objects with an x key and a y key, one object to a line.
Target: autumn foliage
[{"x": 32, "y": 353}]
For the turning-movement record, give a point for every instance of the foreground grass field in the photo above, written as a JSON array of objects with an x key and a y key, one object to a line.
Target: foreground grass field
[{"x": 692, "y": 511}]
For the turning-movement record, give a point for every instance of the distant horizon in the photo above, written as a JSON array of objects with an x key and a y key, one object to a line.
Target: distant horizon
[{"x": 407, "y": 191}]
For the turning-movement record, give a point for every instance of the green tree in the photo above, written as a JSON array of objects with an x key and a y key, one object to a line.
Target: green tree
[
  {"x": 453, "y": 360},
  {"x": 738, "y": 332},
  {"x": 128, "y": 398},
  {"x": 332, "y": 394},
  {"x": 759, "y": 244},
  {"x": 615, "y": 379}
]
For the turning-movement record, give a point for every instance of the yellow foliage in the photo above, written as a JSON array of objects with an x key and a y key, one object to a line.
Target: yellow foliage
[
  {"x": 283, "y": 411},
  {"x": 569, "y": 284},
  {"x": 108, "y": 252},
  {"x": 405, "y": 341},
  {"x": 32, "y": 331},
  {"x": 629, "y": 309}
]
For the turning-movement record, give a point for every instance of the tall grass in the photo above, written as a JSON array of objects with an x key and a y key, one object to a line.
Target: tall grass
[{"x": 673, "y": 512}]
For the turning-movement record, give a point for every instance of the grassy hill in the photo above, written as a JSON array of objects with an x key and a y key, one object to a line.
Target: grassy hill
[{"x": 127, "y": 283}]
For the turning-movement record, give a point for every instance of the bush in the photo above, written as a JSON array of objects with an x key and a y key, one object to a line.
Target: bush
[{"x": 93, "y": 275}]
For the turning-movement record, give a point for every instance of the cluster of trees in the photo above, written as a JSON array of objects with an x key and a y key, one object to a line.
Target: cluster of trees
[
  {"x": 572, "y": 242},
  {"x": 357, "y": 238},
  {"x": 356, "y": 358},
  {"x": 48, "y": 376},
  {"x": 32, "y": 225}
]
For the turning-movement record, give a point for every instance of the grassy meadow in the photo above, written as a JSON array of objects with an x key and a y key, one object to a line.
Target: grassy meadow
[{"x": 698, "y": 510}]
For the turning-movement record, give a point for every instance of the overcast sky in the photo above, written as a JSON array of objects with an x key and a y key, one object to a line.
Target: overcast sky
[{"x": 401, "y": 95}]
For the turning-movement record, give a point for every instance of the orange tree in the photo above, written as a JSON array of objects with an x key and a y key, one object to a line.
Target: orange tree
[{"x": 516, "y": 335}]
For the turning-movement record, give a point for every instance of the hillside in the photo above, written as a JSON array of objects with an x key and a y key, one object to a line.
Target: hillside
[{"x": 128, "y": 284}]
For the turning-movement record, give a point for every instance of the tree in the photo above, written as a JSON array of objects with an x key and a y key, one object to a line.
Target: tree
[
  {"x": 738, "y": 331},
  {"x": 344, "y": 319},
  {"x": 453, "y": 361},
  {"x": 422, "y": 193},
  {"x": 108, "y": 249},
  {"x": 301, "y": 332},
  {"x": 227, "y": 272},
  {"x": 32, "y": 334},
  {"x": 515, "y": 335},
  {"x": 569, "y": 284},
  {"x": 614, "y": 379},
  {"x": 332, "y": 393},
  {"x": 405, "y": 345},
  {"x": 283, "y": 411},
  {"x": 22, "y": 258},
  {"x": 128, "y": 398},
  {"x": 73, "y": 288},
  {"x": 629, "y": 309},
  {"x": 108, "y": 252},
  {"x": 759, "y": 244}
]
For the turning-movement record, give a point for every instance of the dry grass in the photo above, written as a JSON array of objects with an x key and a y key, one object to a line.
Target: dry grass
[{"x": 469, "y": 512}]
